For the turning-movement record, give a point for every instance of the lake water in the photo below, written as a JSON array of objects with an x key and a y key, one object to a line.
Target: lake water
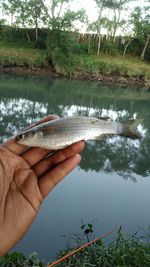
[{"x": 112, "y": 184}]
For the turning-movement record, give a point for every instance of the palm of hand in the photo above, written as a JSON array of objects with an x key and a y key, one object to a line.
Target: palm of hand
[
  {"x": 20, "y": 196},
  {"x": 26, "y": 177}
]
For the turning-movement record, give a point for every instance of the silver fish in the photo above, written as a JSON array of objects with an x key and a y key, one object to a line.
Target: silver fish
[{"x": 62, "y": 132}]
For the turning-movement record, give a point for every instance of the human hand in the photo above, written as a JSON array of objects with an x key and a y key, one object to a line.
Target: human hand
[{"x": 26, "y": 177}]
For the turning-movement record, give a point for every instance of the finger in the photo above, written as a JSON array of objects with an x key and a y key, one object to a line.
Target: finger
[
  {"x": 34, "y": 155},
  {"x": 16, "y": 148},
  {"x": 61, "y": 155},
  {"x": 48, "y": 181}
]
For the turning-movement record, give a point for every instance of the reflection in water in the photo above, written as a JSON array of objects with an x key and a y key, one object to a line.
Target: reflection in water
[
  {"x": 16, "y": 113},
  {"x": 115, "y": 154},
  {"x": 94, "y": 191}
]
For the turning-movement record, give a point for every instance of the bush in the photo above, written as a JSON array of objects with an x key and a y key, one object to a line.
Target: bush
[
  {"x": 63, "y": 41},
  {"x": 111, "y": 49},
  {"x": 62, "y": 63},
  {"x": 19, "y": 260},
  {"x": 39, "y": 44}
]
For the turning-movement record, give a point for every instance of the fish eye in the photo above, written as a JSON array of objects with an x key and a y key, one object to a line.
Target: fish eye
[{"x": 20, "y": 136}]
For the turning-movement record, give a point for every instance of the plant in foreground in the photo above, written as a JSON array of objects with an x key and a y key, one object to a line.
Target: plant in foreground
[{"x": 124, "y": 251}]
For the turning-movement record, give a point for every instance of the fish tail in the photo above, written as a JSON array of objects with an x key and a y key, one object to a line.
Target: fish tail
[{"x": 129, "y": 129}]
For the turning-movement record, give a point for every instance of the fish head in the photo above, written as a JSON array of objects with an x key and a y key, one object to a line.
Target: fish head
[{"x": 28, "y": 138}]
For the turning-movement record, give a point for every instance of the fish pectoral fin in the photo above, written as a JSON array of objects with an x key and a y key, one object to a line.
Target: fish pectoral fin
[
  {"x": 101, "y": 137},
  {"x": 47, "y": 130}
]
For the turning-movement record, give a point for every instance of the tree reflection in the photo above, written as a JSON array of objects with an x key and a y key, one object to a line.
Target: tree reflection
[
  {"x": 128, "y": 158},
  {"x": 121, "y": 156}
]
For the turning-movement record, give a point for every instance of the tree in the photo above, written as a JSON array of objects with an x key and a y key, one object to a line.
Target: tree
[
  {"x": 22, "y": 13},
  {"x": 129, "y": 40},
  {"x": 55, "y": 9},
  {"x": 10, "y": 7},
  {"x": 26, "y": 12},
  {"x": 140, "y": 19},
  {"x": 117, "y": 6},
  {"x": 37, "y": 12},
  {"x": 100, "y": 6},
  {"x": 117, "y": 22},
  {"x": 61, "y": 23}
]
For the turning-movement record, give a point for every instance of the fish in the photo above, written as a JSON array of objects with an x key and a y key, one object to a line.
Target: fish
[{"x": 62, "y": 132}]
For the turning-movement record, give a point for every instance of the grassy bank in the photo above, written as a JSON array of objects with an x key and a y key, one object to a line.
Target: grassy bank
[
  {"x": 105, "y": 68},
  {"x": 13, "y": 56},
  {"x": 125, "y": 251}
]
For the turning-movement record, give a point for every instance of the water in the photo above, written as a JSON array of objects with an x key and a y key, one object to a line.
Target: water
[{"x": 111, "y": 185}]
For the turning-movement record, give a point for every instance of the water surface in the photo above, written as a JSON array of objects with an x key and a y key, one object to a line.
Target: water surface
[{"x": 111, "y": 186}]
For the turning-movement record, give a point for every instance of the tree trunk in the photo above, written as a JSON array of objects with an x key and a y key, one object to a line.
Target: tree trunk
[
  {"x": 89, "y": 44},
  {"x": 28, "y": 38},
  {"x": 115, "y": 20},
  {"x": 126, "y": 47},
  {"x": 99, "y": 44},
  {"x": 36, "y": 29},
  {"x": 145, "y": 47},
  {"x": 12, "y": 17},
  {"x": 53, "y": 9},
  {"x": 116, "y": 23},
  {"x": 99, "y": 28}
]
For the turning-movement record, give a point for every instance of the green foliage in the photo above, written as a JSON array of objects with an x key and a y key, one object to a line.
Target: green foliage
[
  {"x": 23, "y": 37},
  {"x": 60, "y": 21},
  {"x": 19, "y": 260},
  {"x": 65, "y": 23},
  {"x": 74, "y": 64},
  {"x": 64, "y": 64},
  {"x": 10, "y": 7},
  {"x": 63, "y": 40},
  {"x": 124, "y": 251},
  {"x": 39, "y": 43},
  {"x": 140, "y": 18},
  {"x": 111, "y": 49},
  {"x": 2, "y": 22}
]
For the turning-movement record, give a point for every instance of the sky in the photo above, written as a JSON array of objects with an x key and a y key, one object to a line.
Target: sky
[{"x": 91, "y": 10}]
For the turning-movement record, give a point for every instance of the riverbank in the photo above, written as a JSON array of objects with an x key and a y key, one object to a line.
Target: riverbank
[{"x": 110, "y": 69}]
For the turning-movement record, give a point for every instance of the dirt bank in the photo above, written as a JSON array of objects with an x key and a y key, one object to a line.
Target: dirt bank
[{"x": 124, "y": 80}]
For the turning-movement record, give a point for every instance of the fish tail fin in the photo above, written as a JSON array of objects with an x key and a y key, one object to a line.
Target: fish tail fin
[{"x": 130, "y": 129}]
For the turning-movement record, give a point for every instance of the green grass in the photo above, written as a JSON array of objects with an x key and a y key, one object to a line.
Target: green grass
[
  {"x": 125, "y": 251},
  {"x": 94, "y": 66},
  {"x": 75, "y": 65},
  {"x": 10, "y": 55},
  {"x": 115, "y": 65}
]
